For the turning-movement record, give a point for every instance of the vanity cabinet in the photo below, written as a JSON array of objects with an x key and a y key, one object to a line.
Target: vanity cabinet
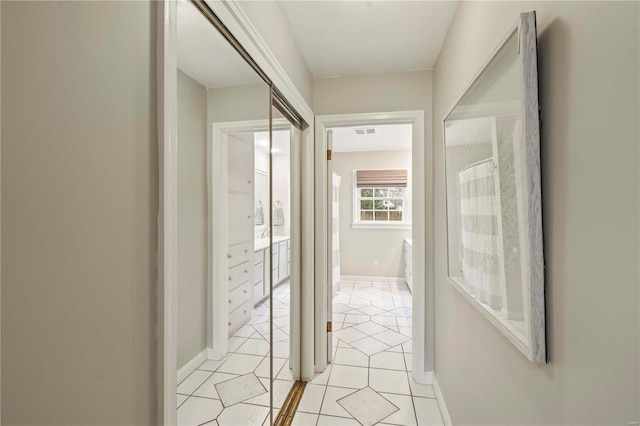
[
  {"x": 265, "y": 261},
  {"x": 406, "y": 256}
]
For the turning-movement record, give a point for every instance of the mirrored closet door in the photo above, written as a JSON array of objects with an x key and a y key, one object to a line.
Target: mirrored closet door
[{"x": 224, "y": 339}]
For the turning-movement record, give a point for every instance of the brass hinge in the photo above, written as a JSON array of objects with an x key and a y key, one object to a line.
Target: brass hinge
[
  {"x": 329, "y": 327},
  {"x": 328, "y": 154}
]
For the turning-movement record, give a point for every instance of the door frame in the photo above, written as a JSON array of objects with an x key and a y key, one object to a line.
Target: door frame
[
  {"x": 423, "y": 353},
  {"x": 217, "y": 170},
  {"x": 232, "y": 15}
]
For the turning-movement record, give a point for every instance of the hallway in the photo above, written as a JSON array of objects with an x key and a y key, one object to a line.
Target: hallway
[{"x": 369, "y": 380}]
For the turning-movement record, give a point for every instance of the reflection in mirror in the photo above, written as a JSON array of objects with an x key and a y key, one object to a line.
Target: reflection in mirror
[
  {"x": 489, "y": 200},
  {"x": 224, "y": 326},
  {"x": 280, "y": 248}
]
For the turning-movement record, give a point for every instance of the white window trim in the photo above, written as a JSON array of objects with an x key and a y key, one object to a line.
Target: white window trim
[{"x": 365, "y": 224}]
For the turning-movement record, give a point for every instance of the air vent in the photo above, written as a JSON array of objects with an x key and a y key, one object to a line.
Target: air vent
[{"x": 368, "y": 131}]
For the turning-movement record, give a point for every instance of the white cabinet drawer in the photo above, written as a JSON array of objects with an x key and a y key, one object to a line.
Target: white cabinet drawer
[
  {"x": 238, "y": 254},
  {"x": 239, "y": 295},
  {"x": 239, "y": 317},
  {"x": 239, "y": 275},
  {"x": 258, "y": 257},
  {"x": 258, "y": 273}
]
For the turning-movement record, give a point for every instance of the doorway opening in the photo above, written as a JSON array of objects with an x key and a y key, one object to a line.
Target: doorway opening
[
  {"x": 370, "y": 196},
  {"x": 380, "y": 198}
]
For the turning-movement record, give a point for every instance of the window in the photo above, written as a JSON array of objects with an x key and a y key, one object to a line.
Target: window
[{"x": 381, "y": 198}]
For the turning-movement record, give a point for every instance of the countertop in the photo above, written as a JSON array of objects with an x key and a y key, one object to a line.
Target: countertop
[{"x": 263, "y": 243}]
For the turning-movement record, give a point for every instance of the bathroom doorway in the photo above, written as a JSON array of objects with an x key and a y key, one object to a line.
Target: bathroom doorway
[{"x": 374, "y": 191}]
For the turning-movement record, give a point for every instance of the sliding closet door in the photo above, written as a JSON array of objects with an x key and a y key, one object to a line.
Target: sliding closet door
[{"x": 224, "y": 331}]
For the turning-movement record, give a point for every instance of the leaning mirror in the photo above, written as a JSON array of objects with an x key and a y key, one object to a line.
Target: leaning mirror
[{"x": 494, "y": 218}]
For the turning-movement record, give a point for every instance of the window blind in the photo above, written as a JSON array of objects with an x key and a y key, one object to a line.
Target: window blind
[{"x": 381, "y": 178}]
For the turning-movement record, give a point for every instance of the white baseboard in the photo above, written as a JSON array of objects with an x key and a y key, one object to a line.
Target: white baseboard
[
  {"x": 191, "y": 366},
  {"x": 446, "y": 418},
  {"x": 365, "y": 278},
  {"x": 426, "y": 378},
  {"x": 213, "y": 354}
]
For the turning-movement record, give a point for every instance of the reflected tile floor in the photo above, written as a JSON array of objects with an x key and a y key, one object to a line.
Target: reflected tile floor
[
  {"x": 235, "y": 390},
  {"x": 369, "y": 381}
]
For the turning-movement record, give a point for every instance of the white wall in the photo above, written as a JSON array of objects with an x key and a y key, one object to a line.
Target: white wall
[
  {"x": 281, "y": 177},
  {"x": 238, "y": 103},
  {"x": 274, "y": 28},
  {"x": 359, "y": 248},
  {"x": 588, "y": 71},
  {"x": 79, "y": 213},
  {"x": 192, "y": 218}
]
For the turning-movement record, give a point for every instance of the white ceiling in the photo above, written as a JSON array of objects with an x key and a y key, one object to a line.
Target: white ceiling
[
  {"x": 390, "y": 137},
  {"x": 205, "y": 55},
  {"x": 363, "y": 37}
]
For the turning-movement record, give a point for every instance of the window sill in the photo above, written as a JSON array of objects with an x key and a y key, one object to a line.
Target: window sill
[{"x": 380, "y": 225}]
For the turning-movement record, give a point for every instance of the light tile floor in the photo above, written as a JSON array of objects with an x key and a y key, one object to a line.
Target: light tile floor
[
  {"x": 369, "y": 381},
  {"x": 235, "y": 390}
]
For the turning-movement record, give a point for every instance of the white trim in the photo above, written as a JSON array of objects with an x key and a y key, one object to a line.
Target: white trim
[
  {"x": 192, "y": 365},
  {"x": 236, "y": 21},
  {"x": 0, "y": 233},
  {"x": 366, "y": 278},
  {"x": 380, "y": 225},
  {"x": 218, "y": 266},
  {"x": 446, "y": 418},
  {"x": 423, "y": 354},
  {"x": 217, "y": 171},
  {"x": 167, "y": 307}
]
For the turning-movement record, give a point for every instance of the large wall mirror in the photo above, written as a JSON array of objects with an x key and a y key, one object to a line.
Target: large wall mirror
[
  {"x": 494, "y": 218},
  {"x": 236, "y": 360}
]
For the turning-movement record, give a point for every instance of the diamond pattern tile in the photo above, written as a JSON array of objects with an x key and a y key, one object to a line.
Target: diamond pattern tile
[{"x": 367, "y": 406}]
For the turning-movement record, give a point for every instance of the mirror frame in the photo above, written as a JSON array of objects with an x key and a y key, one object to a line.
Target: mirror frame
[{"x": 535, "y": 350}]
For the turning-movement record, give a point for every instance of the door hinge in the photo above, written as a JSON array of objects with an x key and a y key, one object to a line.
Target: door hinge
[
  {"x": 329, "y": 327},
  {"x": 328, "y": 154}
]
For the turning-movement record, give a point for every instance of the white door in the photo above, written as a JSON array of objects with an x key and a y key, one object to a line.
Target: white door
[{"x": 330, "y": 282}]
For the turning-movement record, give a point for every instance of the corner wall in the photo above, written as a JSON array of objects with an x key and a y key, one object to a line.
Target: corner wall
[{"x": 588, "y": 72}]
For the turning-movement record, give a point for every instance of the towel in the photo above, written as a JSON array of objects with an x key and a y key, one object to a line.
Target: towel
[
  {"x": 278, "y": 214},
  {"x": 259, "y": 213}
]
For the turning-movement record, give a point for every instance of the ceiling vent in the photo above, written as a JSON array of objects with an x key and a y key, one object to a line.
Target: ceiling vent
[{"x": 368, "y": 131}]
